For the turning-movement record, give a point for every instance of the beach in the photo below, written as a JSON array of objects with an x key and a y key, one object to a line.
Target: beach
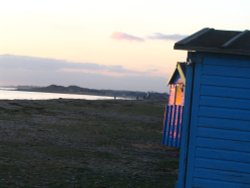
[{"x": 82, "y": 143}]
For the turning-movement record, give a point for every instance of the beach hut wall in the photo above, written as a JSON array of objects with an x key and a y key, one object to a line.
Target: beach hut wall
[
  {"x": 172, "y": 122},
  {"x": 215, "y": 144}
]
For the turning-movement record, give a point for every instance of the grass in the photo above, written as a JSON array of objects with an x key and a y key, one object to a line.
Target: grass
[{"x": 79, "y": 143}]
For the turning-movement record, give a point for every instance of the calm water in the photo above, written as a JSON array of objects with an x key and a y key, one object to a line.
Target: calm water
[{"x": 11, "y": 94}]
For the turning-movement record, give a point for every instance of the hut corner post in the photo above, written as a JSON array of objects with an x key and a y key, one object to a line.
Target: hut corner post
[{"x": 186, "y": 123}]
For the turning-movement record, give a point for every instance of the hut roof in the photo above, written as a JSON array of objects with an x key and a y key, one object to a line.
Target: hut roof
[
  {"x": 217, "y": 41},
  {"x": 181, "y": 71}
]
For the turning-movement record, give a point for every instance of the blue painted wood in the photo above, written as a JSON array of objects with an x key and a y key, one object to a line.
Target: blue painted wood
[
  {"x": 226, "y": 60},
  {"x": 173, "y": 125},
  {"x": 193, "y": 124},
  {"x": 220, "y": 154},
  {"x": 178, "y": 128},
  {"x": 223, "y": 134},
  {"x": 225, "y": 92},
  {"x": 224, "y": 113},
  {"x": 221, "y": 81},
  {"x": 165, "y": 124},
  {"x": 220, "y": 144},
  {"x": 171, "y": 108},
  {"x": 236, "y": 72},
  {"x": 170, "y": 123},
  {"x": 229, "y": 124},
  {"x": 243, "y": 104},
  {"x": 223, "y": 165},
  {"x": 185, "y": 127},
  {"x": 204, "y": 183},
  {"x": 219, "y": 137},
  {"x": 227, "y": 176}
]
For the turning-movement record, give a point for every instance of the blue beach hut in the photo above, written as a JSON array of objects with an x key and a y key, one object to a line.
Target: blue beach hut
[
  {"x": 174, "y": 109},
  {"x": 215, "y": 138}
]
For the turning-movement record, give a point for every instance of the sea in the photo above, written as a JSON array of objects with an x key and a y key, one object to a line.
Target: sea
[{"x": 12, "y": 94}]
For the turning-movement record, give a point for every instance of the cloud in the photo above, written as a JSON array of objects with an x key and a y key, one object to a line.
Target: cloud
[
  {"x": 45, "y": 64},
  {"x": 25, "y": 70},
  {"x": 160, "y": 36},
  {"x": 154, "y": 36},
  {"x": 125, "y": 36}
]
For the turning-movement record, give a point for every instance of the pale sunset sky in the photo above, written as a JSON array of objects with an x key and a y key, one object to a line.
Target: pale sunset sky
[{"x": 104, "y": 44}]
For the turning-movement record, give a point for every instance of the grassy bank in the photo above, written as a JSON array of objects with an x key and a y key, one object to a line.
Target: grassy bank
[{"x": 78, "y": 143}]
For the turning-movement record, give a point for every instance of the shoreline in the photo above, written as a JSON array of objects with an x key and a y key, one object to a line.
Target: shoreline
[{"x": 96, "y": 92}]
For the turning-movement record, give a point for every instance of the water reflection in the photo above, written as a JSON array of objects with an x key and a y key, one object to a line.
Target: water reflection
[{"x": 11, "y": 94}]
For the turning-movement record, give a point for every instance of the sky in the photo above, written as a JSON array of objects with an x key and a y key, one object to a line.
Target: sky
[{"x": 109, "y": 44}]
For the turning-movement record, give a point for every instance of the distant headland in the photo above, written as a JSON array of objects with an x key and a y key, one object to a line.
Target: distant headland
[{"x": 139, "y": 95}]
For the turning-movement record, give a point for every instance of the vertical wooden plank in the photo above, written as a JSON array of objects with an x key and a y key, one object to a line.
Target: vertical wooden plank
[
  {"x": 181, "y": 125},
  {"x": 193, "y": 124},
  {"x": 185, "y": 127},
  {"x": 169, "y": 122},
  {"x": 168, "y": 116},
  {"x": 165, "y": 125},
  {"x": 175, "y": 125},
  {"x": 172, "y": 124},
  {"x": 178, "y": 127}
]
